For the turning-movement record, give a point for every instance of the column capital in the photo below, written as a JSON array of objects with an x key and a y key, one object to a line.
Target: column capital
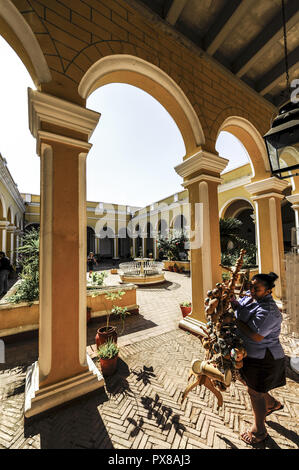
[
  {"x": 201, "y": 162},
  {"x": 4, "y": 223},
  {"x": 11, "y": 228},
  {"x": 269, "y": 187},
  {"x": 51, "y": 115},
  {"x": 293, "y": 199}
]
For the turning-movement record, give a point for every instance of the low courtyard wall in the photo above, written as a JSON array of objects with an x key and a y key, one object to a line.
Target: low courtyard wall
[{"x": 21, "y": 317}]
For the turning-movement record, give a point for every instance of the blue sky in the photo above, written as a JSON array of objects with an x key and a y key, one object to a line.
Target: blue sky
[{"x": 135, "y": 145}]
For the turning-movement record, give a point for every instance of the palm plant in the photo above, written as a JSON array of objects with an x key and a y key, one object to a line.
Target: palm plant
[
  {"x": 230, "y": 233},
  {"x": 28, "y": 290}
]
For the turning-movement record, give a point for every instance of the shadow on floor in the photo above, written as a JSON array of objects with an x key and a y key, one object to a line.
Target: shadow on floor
[
  {"x": 133, "y": 323},
  {"x": 76, "y": 425},
  {"x": 167, "y": 285},
  {"x": 290, "y": 435}
]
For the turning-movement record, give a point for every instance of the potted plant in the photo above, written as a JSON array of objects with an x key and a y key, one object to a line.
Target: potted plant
[
  {"x": 108, "y": 332},
  {"x": 175, "y": 268},
  {"x": 185, "y": 308},
  {"x": 170, "y": 268},
  {"x": 122, "y": 312},
  {"x": 96, "y": 279},
  {"x": 108, "y": 355}
]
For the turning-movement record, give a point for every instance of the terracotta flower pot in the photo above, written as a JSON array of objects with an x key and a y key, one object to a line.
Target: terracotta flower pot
[
  {"x": 170, "y": 268},
  {"x": 185, "y": 310},
  {"x": 103, "y": 335},
  {"x": 108, "y": 366}
]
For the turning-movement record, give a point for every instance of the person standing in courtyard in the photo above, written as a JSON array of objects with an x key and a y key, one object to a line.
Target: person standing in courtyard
[
  {"x": 5, "y": 269},
  {"x": 259, "y": 323},
  {"x": 91, "y": 261}
]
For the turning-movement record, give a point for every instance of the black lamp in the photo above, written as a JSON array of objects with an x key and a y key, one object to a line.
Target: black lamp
[{"x": 282, "y": 140}]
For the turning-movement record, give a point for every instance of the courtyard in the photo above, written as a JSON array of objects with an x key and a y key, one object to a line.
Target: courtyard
[{"x": 140, "y": 405}]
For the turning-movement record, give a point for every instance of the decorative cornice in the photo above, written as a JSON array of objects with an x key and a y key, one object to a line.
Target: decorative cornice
[
  {"x": 201, "y": 161},
  {"x": 293, "y": 199},
  {"x": 4, "y": 223},
  {"x": 272, "y": 184},
  {"x": 268, "y": 195},
  {"x": 10, "y": 185},
  {"x": 234, "y": 184},
  {"x": 198, "y": 179},
  {"x": 62, "y": 113},
  {"x": 50, "y": 136}
]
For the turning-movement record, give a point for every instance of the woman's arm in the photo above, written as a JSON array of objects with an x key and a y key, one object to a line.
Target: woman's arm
[{"x": 248, "y": 332}]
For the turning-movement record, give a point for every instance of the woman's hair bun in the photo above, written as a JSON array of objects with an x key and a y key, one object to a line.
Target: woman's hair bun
[{"x": 273, "y": 276}]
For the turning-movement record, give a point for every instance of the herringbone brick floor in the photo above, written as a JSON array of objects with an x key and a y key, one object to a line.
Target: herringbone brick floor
[{"x": 140, "y": 406}]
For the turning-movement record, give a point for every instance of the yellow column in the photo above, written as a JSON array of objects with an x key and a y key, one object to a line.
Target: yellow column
[
  {"x": 3, "y": 234},
  {"x": 267, "y": 196},
  {"x": 10, "y": 242},
  {"x": 63, "y": 371},
  {"x": 201, "y": 173}
]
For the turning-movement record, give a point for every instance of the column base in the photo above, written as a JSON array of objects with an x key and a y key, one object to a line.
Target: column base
[
  {"x": 38, "y": 401},
  {"x": 194, "y": 326}
]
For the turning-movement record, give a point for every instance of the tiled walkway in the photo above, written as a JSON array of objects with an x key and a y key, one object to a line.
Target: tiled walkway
[{"x": 140, "y": 406}]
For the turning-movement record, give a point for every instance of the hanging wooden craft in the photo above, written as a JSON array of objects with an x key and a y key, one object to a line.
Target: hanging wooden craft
[{"x": 224, "y": 348}]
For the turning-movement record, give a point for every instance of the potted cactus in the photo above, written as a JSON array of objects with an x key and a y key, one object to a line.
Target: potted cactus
[
  {"x": 108, "y": 355},
  {"x": 185, "y": 308}
]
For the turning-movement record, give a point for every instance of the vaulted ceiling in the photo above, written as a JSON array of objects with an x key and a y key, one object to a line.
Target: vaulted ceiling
[{"x": 246, "y": 36}]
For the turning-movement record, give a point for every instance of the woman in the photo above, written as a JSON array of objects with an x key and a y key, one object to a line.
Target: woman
[
  {"x": 91, "y": 261},
  {"x": 259, "y": 321}
]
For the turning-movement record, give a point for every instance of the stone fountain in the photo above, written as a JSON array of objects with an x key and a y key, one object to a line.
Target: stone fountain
[{"x": 142, "y": 271}]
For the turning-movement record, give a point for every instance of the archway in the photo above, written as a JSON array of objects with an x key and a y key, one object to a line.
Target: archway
[
  {"x": 90, "y": 234},
  {"x": 122, "y": 68}
]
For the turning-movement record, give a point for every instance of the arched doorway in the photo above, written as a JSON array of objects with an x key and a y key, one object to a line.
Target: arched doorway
[{"x": 91, "y": 247}]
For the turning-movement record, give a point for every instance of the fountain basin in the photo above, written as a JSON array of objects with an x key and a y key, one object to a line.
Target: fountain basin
[{"x": 142, "y": 271}]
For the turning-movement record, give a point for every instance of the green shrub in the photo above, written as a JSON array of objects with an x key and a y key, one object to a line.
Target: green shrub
[
  {"x": 28, "y": 290},
  {"x": 108, "y": 350}
]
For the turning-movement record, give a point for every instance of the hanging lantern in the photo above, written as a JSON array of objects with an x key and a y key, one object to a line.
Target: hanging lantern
[{"x": 282, "y": 141}]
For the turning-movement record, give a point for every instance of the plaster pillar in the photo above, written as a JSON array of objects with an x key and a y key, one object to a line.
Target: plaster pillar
[
  {"x": 3, "y": 234},
  {"x": 294, "y": 200},
  {"x": 201, "y": 173},
  {"x": 63, "y": 370},
  {"x": 115, "y": 247},
  {"x": 10, "y": 242},
  {"x": 134, "y": 242},
  {"x": 267, "y": 196}
]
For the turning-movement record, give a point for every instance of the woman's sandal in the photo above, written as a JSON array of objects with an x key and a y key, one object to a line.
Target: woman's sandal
[
  {"x": 249, "y": 438},
  {"x": 271, "y": 410}
]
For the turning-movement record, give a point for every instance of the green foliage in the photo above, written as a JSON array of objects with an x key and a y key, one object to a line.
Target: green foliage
[
  {"x": 108, "y": 350},
  {"x": 96, "y": 279},
  {"x": 29, "y": 259},
  {"x": 122, "y": 312},
  {"x": 170, "y": 247},
  {"x": 186, "y": 303},
  {"x": 230, "y": 232},
  {"x": 112, "y": 296}
]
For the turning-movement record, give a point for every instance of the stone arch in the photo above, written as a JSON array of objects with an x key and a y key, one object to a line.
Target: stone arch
[
  {"x": 3, "y": 210},
  {"x": 243, "y": 129},
  {"x": 247, "y": 204},
  {"x": 17, "y": 32},
  {"x": 10, "y": 215},
  {"x": 124, "y": 68}
]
